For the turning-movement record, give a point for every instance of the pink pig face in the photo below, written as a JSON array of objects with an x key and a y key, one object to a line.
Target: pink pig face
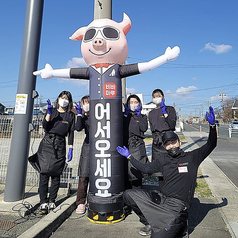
[{"x": 104, "y": 41}]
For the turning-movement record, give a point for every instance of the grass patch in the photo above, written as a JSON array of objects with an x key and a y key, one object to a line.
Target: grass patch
[{"x": 202, "y": 189}]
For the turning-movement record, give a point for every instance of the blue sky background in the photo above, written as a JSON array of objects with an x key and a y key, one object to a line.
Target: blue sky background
[{"x": 205, "y": 31}]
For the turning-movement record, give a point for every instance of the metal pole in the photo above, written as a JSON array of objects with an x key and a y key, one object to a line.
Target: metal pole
[
  {"x": 102, "y": 9},
  {"x": 17, "y": 164}
]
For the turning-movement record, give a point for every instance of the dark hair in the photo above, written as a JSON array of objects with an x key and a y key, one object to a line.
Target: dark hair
[
  {"x": 68, "y": 94},
  {"x": 158, "y": 91},
  {"x": 133, "y": 96},
  {"x": 86, "y": 97}
]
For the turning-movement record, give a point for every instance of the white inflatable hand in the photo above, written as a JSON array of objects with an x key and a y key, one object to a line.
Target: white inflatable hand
[
  {"x": 45, "y": 73},
  {"x": 172, "y": 54}
]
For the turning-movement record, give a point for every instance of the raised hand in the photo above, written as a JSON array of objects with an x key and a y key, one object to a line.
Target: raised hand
[
  {"x": 127, "y": 109},
  {"x": 211, "y": 116},
  {"x": 172, "y": 54},
  {"x": 163, "y": 107},
  {"x": 138, "y": 110},
  {"x": 78, "y": 108},
  {"x": 50, "y": 107}
]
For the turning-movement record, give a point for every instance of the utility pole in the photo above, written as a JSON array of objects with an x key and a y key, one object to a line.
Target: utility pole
[
  {"x": 103, "y": 9},
  {"x": 19, "y": 150}
]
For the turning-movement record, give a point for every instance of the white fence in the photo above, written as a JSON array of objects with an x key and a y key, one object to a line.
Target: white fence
[{"x": 6, "y": 126}]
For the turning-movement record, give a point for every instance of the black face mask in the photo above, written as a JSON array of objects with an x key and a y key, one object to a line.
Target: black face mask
[{"x": 174, "y": 152}]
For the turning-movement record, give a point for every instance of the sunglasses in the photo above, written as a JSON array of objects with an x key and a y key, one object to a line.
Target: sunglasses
[{"x": 108, "y": 32}]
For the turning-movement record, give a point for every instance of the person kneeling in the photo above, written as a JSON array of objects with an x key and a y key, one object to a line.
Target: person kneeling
[{"x": 164, "y": 213}]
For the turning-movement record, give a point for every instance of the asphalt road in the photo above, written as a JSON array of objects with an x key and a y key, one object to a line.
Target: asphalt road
[{"x": 225, "y": 154}]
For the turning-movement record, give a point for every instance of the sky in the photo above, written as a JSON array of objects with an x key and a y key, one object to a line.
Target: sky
[{"x": 205, "y": 31}]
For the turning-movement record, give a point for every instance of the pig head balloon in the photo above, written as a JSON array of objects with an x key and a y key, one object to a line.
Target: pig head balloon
[
  {"x": 104, "y": 48},
  {"x": 104, "y": 40}
]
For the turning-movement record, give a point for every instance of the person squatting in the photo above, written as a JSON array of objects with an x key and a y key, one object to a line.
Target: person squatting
[{"x": 164, "y": 212}]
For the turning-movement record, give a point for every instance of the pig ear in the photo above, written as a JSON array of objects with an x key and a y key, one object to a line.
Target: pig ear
[
  {"x": 78, "y": 35},
  {"x": 125, "y": 24}
]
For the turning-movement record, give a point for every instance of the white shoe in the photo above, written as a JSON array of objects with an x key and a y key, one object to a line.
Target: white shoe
[
  {"x": 52, "y": 206},
  {"x": 81, "y": 209},
  {"x": 44, "y": 206}
]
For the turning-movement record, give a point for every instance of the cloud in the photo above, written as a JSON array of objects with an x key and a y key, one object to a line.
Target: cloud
[
  {"x": 76, "y": 62},
  {"x": 218, "y": 49},
  {"x": 185, "y": 91},
  {"x": 182, "y": 93}
]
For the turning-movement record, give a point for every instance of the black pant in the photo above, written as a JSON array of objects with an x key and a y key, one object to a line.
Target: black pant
[
  {"x": 82, "y": 190},
  {"x": 158, "y": 206},
  {"x": 43, "y": 188}
]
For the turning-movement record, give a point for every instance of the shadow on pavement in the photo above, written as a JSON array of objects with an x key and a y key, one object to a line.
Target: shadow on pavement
[{"x": 199, "y": 211}]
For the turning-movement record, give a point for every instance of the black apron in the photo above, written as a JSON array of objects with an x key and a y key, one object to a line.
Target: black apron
[
  {"x": 83, "y": 169},
  {"x": 50, "y": 158},
  {"x": 137, "y": 149}
]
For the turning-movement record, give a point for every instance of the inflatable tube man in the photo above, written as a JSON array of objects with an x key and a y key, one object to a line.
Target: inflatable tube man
[{"x": 104, "y": 48}]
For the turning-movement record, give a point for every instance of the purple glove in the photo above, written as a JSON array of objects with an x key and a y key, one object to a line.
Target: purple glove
[
  {"x": 138, "y": 110},
  {"x": 163, "y": 107},
  {"x": 211, "y": 116},
  {"x": 50, "y": 107},
  {"x": 123, "y": 151},
  {"x": 78, "y": 108},
  {"x": 70, "y": 154},
  {"x": 127, "y": 109}
]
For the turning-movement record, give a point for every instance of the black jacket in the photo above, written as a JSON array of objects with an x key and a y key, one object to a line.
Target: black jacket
[{"x": 179, "y": 173}]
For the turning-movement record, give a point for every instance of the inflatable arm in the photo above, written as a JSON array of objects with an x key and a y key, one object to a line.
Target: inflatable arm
[
  {"x": 169, "y": 55},
  {"x": 48, "y": 72}
]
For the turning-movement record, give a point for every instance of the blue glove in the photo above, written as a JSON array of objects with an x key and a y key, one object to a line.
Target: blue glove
[
  {"x": 211, "y": 116},
  {"x": 163, "y": 107},
  {"x": 78, "y": 108},
  {"x": 138, "y": 110},
  {"x": 123, "y": 151},
  {"x": 127, "y": 109},
  {"x": 70, "y": 154},
  {"x": 50, "y": 107}
]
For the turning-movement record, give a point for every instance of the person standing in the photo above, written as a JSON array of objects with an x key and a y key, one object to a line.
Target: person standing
[
  {"x": 161, "y": 119},
  {"x": 135, "y": 125},
  {"x": 57, "y": 123},
  {"x": 83, "y": 170},
  {"x": 164, "y": 212}
]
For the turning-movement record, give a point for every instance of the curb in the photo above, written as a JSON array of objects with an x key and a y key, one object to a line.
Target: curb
[{"x": 47, "y": 225}]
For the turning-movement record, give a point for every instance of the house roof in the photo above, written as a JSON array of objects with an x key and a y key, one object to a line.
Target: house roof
[{"x": 235, "y": 104}]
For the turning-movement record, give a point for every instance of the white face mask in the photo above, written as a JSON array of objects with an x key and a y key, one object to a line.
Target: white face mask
[
  {"x": 86, "y": 107},
  {"x": 63, "y": 102},
  {"x": 133, "y": 107},
  {"x": 157, "y": 101}
]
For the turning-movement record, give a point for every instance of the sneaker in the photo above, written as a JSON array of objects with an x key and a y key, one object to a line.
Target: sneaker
[
  {"x": 52, "y": 206},
  {"x": 44, "y": 208},
  {"x": 145, "y": 231},
  {"x": 81, "y": 209}
]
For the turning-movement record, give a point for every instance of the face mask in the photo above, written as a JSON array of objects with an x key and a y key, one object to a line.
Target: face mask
[
  {"x": 133, "y": 107},
  {"x": 63, "y": 102},
  {"x": 174, "y": 152},
  {"x": 157, "y": 101},
  {"x": 86, "y": 107}
]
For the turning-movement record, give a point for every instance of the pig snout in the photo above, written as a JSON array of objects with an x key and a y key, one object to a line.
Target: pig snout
[{"x": 99, "y": 43}]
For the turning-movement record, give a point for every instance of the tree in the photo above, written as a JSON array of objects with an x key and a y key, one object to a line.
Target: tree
[{"x": 227, "y": 111}]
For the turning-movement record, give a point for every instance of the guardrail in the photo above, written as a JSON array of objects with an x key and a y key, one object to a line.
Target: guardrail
[
  {"x": 6, "y": 126},
  {"x": 232, "y": 131}
]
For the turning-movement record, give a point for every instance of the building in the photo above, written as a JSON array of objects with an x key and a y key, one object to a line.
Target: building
[
  {"x": 235, "y": 109},
  {"x": 2, "y": 108}
]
